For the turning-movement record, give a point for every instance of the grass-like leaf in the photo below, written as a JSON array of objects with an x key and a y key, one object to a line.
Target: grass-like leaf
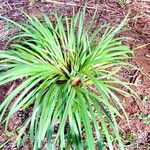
[{"x": 68, "y": 81}]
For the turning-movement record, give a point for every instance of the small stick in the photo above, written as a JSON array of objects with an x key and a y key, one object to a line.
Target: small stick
[
  {"x": 133, "y": 80},
  {"x": 71, "y": 4},
  {"x": 134, "y": 77}
]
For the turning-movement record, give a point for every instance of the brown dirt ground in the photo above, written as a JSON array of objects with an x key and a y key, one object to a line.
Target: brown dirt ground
[{"x": 137, "y": 137}]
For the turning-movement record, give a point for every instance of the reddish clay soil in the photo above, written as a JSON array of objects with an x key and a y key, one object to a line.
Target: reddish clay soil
[{"x": 136, "y": 137}]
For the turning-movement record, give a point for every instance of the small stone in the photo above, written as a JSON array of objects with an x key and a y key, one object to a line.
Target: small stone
[{"x": 147, "y": 55}]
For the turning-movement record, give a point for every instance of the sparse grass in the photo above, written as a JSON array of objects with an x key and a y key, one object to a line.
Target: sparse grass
[{"x": 70, "y": 79}]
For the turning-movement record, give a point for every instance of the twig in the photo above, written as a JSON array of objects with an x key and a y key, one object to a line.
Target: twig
[
  {"x": 135, "y": 76},
  {"x": 133, "y": 80},
  {"x": 72, "y": 4}
]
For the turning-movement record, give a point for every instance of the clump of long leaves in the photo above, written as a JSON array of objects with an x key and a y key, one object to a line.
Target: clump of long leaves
[{"x": 69, "y": 78}]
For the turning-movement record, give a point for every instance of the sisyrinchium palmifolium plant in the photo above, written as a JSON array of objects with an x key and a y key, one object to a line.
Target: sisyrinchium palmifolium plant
[{"x": 70, "y": 80}]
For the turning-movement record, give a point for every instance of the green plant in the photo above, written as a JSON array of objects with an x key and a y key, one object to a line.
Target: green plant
[
  {"x": 144, "y": 117},
  {"x": 70, "y": 79},
  {"x": 121, "y": 2}
]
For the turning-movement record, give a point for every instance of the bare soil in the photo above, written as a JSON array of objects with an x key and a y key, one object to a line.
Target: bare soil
[{"x": 136, "y": 137}]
